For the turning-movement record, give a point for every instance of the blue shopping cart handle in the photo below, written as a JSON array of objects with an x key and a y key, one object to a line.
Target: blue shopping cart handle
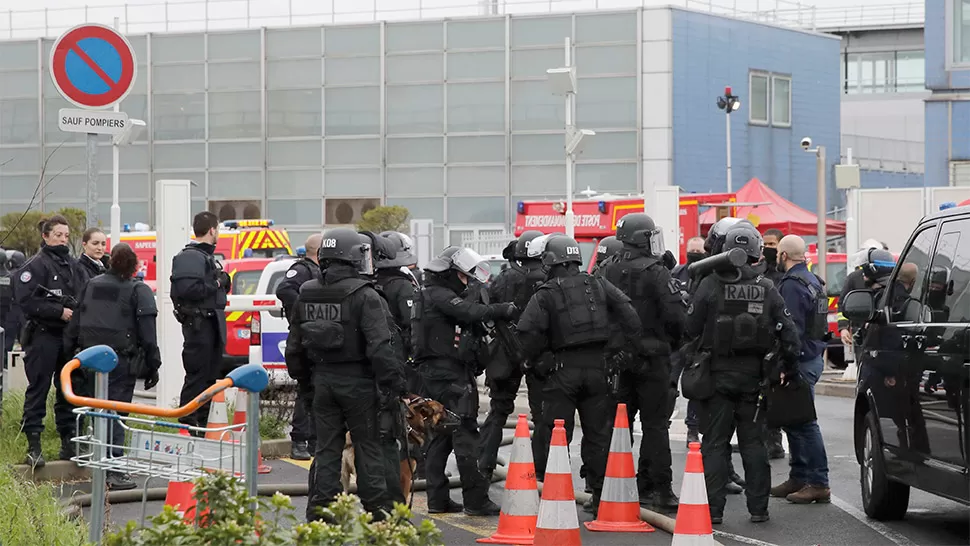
[
  {"x": 99, "y": 358},
  {"x": 250, "y": 377}
]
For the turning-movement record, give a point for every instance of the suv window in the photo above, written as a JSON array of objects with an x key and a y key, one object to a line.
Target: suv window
[
  {"x": 244, "y": 282},
  {"x": 916, "y": 259},
  {"x": 948, "y": 290},
  {"x": 274, "y": 281}
]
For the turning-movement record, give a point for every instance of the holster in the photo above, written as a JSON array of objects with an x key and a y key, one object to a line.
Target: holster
[
  {"x": 467, "y": 405},
  {"x": 28, "y": 334}
]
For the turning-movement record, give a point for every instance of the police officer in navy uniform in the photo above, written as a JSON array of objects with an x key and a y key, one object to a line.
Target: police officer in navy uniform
[
  {"x": 340, "y": 348},
  {"x": 199, "y": 289},
  {"x": 739, "y": 316},
  {"x": 302, "y": 436},
  {"x": 11, "y": 318},
  {"x": 46, "y": 291},
  {"x": 576, "y": 316},
  {"x": 119, "y": 311},
  {"x": 516, "y": 284},
  {"x": 446, "y": 339},
  {"x": 645, "y": 385}
]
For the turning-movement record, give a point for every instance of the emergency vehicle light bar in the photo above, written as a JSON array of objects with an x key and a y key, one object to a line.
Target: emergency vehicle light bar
[{"x": 236, "y": 224}]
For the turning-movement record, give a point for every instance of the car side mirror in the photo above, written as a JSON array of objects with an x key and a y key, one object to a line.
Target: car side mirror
[{"x": 859, "y": 306}]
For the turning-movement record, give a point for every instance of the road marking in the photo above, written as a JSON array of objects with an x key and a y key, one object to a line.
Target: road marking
[
  {"x": 883, "y": 530},
  {"x": 458, "y": 520},
  {"x": 301, "y": 464},
  {"x": 741, "y": 539}
]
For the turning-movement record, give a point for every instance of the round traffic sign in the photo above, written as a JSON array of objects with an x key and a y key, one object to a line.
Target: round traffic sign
[{"x": 93, "y": 66}]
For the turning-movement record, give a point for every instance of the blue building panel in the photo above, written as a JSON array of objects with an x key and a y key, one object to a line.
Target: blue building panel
[
  {"x": 710, "y": 52},
  {"x": 934, "y": 38},
  {"x": 886, "y": 179}
]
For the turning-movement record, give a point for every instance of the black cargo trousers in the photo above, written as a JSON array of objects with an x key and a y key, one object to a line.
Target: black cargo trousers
[
  {"x": 502, "y": 393},
  {"x": 645, "y": 389}
]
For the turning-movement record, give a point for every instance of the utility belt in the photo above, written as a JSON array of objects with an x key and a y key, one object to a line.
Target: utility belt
[
  {"x": 32, "y": 327},
  {"x": 354, "y": 368},
  {"x": 192, "y": 316}
]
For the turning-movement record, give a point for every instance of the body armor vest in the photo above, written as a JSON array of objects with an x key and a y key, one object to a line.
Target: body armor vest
[
  {"x": 331, "y": 333},
  {"x": 433, "y": 334},
  {"x": 581, "y": 314},
  {"x": 627, "y": 276},
  {"x": 741, "y": 326},
  {"x": 106, "y": 314},
  {"x": 817, "y": 324}
]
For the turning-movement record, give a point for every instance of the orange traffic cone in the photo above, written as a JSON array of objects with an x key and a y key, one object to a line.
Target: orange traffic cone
[
  {"x": 239, "y": 418},
  {"x": 619, "y": 509},
  {"x": 179, "y": 496},
  {"x": 520, "y": 508},
  {"x": 694, "y": 514},
  {"x": 218, "y": 418},
  {"x": 558, "y": 522}
]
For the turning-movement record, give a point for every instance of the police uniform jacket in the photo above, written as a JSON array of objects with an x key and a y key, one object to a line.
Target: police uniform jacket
[
  {"x": 855, "y": 280},
  {"x": 87, "y": 269},
  {"x": 398, "y": 288},
  {"x": 288, "y": 290},
  {"x": 120, "y": 313},
  {"x": 802, "y": 306},
  {"x": 739, "y": 346},
  {"x": 655, "y": 295},
  {"x": 574, "y": 310},
  {"x": 339, "y": 324},
  {"x": 51, "y": 268}
]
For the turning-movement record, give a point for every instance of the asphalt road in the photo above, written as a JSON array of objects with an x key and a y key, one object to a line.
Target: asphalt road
[{"x": 931, "y": 521}]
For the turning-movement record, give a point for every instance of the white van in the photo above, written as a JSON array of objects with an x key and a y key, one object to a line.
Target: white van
[{"x": 267, "y": 341}]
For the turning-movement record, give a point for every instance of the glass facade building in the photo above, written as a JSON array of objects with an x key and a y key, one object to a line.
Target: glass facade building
[{"x": 312, "y": 126}]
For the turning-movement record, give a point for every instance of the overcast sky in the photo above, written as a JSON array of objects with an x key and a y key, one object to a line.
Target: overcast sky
[{"x": 149, "y": 15}]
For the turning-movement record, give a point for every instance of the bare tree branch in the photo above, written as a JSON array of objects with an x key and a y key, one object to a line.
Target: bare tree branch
[{"x": 41, "y": 185}]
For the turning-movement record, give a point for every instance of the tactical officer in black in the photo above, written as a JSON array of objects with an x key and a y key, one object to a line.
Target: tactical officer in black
[
  {"x": 302, "y": 436},
  {"x": 119, "y": 311},
  {"x": 46, "y": 291},
  {"x": 645, "y": 382},
  {"x": 605, "y": 250},
  {"x": 576, "y": 316},
  {"x": 446, "y": 332},
  {"x": 516, "y": 285},
  {"x": 739, "y": 317},
  {"x": 11, "y": 318},
  {"x": 339, "y": 347},
  {"x": 199, "y": 289},
  {"x": 398, "y": 287}
]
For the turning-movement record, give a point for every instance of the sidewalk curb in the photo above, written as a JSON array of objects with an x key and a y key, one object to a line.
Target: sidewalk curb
[
  {"x": 67, "y": 471},
  {"x": 841, "y": 389}
]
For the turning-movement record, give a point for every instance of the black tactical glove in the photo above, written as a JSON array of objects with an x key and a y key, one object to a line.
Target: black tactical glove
[
  {"x": 504, "y": 311},
  {"x": 151, "y": 380},
  {"x": 668, "y": 260},
  {"x": 225, "y": 281}
]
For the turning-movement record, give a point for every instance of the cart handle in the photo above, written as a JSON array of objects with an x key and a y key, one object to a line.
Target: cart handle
[{"x": 103, "y": 359}]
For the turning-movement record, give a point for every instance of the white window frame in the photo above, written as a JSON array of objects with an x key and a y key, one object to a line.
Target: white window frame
[
  {"x": 767, "y": 76},
  {"x": 951, "y": 37},
  {"x": 771, "y": 100}
]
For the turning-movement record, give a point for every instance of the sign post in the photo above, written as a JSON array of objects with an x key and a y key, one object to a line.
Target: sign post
[{"x": 93, "y": 67}]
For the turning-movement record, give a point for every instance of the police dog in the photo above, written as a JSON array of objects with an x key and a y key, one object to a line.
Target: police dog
[{"x": 424, "y": 417}]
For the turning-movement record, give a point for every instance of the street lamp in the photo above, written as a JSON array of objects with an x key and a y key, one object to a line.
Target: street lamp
[
  {"x": 819, "y": 152},
  {"x": 563, "y": 82},
  {"x": 125, "y": 138},
  {"x": 729, "y": 103}
]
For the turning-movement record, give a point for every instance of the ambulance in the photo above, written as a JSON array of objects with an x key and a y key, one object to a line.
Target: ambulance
[
  {"x": 237, "y": 239},
  {"x": 596, "y": 218}
]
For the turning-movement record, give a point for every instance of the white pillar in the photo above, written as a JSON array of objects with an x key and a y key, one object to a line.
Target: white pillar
[{"x": 173, "y": 213}]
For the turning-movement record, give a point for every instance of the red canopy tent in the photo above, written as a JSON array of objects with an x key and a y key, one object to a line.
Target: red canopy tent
[{"x": 780, "y": 213}]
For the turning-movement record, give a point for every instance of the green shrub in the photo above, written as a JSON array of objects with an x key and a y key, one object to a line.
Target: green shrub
[
  {"x": 13, "y": 444},
  {"x": 227, "y": 518},
  {"x": 30, "y": 515}
]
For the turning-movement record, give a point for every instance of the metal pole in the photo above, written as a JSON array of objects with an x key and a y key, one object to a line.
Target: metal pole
[
  {"x": 98, "y": 490},
  {"x": 92, "y": 193},
  {"x": 727, "y": 125},
  {"x": 570, "y": 100},
  {"x": 820, "y": 205},
  {"x": 115, "y": 207},
  {"x": 252, "y": 443}
]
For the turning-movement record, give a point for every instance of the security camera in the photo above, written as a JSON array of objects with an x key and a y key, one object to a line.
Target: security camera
[{"x": 806, "y": 143}]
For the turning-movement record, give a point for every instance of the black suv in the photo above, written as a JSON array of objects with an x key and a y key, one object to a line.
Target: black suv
[{"x": 911, "y": 407}]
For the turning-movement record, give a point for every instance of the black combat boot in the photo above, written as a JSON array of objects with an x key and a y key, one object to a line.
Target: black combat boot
[
  {"x": 34, "y": 456},
  {"x": 67, "y": 447},
  {"x": 300, "y": 451}
]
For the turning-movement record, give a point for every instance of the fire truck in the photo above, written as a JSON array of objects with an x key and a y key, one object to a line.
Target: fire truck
[
  {"x": 596, "y": 218},
  {"x": 237, "y": 239}
]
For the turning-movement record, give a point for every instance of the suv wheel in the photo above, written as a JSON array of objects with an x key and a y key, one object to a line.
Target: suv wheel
[{"x": 882, "y": 498}]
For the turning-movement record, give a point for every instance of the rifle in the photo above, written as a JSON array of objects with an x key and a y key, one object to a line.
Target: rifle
[
  {"x": 768, "y": 365},
  {"x": 67, "y": 301},
  {"x": 504, "y": 333}
]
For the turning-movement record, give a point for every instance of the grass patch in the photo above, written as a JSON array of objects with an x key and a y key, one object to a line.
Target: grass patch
[{"x": 30, "y": 515}]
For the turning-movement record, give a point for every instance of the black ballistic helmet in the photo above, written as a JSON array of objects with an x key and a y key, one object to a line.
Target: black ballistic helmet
[
  {"x": 15, "y": 259},
  {"x": 522, "y": 244},
  {"x": 345, "y": 245},
  {"x": 401, "y": 252},
  {"x": 464, "y": 260},
  {"x": 635, "y": 229},
  {"x": 555, "y": 249},
  {"x": 607, "y": 248},
  {"x": 744, "y": 236},
  {"x": 878, "y": 266},
  {"x": 714, "y": 244}
]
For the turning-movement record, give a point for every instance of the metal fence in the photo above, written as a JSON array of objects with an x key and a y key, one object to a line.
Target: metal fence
[
  {"x": 885, "y": 154},
  {"x": 143, "y": 16},
  {"x": 487, "y": 243}
]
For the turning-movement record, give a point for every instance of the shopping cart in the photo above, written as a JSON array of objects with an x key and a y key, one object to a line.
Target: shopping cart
[{"x": 109, "y": 442}]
